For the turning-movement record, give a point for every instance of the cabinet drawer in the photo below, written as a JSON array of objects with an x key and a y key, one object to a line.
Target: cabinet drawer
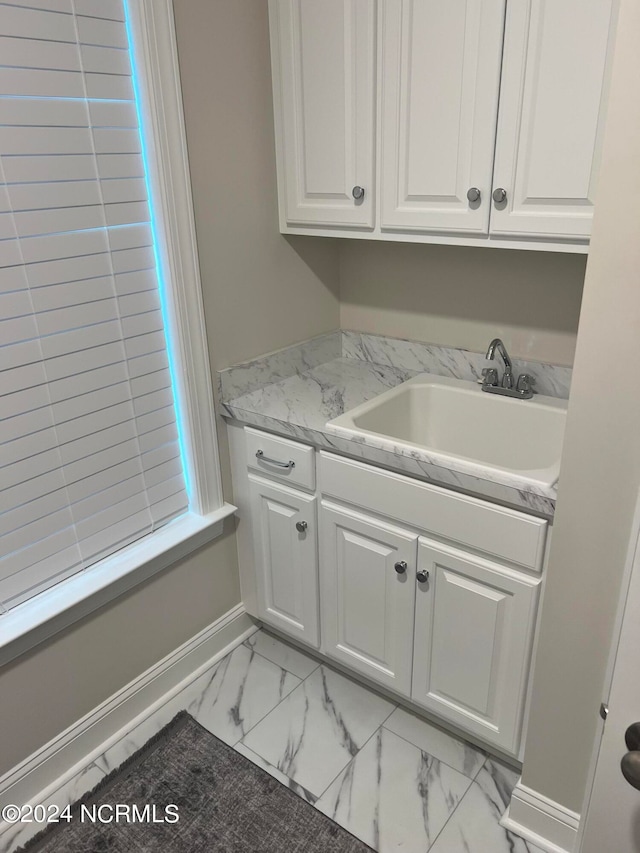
[
  {"x": 285, "y": 460},
  {"x": 471, "y": 522}
]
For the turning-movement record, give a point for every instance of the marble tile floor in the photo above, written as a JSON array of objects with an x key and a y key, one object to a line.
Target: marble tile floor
[{"x": 390, "y": 778}]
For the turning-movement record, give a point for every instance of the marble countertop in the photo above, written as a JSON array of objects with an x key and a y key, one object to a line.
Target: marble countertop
[{"x": 296, "y": 391}]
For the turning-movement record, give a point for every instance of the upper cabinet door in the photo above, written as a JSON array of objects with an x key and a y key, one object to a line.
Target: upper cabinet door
[
  {"x": 550, "y": 126},
  {"x": 439, "y": 100},
  {"x": 323, "y": 61}
]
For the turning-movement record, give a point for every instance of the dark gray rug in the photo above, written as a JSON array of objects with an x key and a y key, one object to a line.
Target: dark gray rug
[{"x": 225, "y": 804}]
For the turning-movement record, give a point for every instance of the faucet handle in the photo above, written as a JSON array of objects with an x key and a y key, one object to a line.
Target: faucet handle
[
  {"x": 525, "y": 384},
  {"x": 489, "y": 376}
]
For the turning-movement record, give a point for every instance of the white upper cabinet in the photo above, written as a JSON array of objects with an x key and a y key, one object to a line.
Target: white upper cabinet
[
  {"x": 439, "y": 99},
  {"x": 323, "y": 57},
  {"x": 473, "y": 122},
  {"x": 551, "y": 116}
]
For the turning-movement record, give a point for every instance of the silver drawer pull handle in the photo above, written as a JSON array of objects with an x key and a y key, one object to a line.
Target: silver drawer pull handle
[{"x": 288, "y": 465}]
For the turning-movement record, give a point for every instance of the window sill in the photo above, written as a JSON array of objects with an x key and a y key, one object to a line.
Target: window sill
[{"x": 55, "y": 609}]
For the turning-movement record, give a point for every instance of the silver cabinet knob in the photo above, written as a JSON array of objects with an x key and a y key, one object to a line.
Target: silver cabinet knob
[
  {"x": 422, "y": 576},
  {"x": 301, "y": 526},
  {"x": 401, "y": 567},
  {"x": 474, "y": 194},
  {"x": 357, "y": 193},
  {"x": 499, "y": 195}
]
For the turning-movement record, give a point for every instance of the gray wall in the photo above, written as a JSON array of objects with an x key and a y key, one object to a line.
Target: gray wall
[
  {"x": 600, "y": 464},
  {"x": 60, "y": 681},
  {"x": 464, "y": 296},
  {"x": 261, "y": 293}
]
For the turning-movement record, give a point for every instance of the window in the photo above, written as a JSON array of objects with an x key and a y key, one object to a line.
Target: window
[{"x": 94, "y": 280}]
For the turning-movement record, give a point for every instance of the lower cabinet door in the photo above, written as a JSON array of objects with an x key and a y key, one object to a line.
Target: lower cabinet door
[
  {"x": 286, "y": 558},
  {"x": 367, "y": 570},
  {"x": 473, "y": 636}
]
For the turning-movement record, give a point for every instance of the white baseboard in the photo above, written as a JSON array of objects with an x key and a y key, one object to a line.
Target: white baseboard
[
  {"x": 65, "y": 755},
  {"x": 543, "y": 822}
]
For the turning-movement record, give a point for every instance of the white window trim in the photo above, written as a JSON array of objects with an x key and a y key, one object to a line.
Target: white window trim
[{"x": 158, "y": 79}]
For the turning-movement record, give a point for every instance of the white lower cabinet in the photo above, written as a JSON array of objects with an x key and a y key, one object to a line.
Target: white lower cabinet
[
  {"x": 286, "y": 558},
  {"x": 473, "y": 635},
  {"x": 446, "y": 628},
  {"x": 429, "y": 593},
  {"x": 367, "y": 573}
]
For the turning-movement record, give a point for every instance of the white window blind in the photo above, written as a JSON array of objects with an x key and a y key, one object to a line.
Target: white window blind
[{"x": 89, "y": 448}]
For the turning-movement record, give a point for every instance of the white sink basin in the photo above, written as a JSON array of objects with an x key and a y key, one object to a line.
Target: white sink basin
[{"x": 454, "y": 423}]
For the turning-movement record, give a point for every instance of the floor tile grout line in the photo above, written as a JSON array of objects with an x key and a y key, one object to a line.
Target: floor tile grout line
[
  {"x": 240, "y": 740},
  {"x": 484, "y": 764},
  {"x": 284, "y": 698},
  {"x": 280, "y": 701},
  {"x": 472, "y": 782},
  {"x": 256, "y": 652},
  {"x": 279, "y": 665},
  {"x": 266, "y": 714},
  {"x": 353, "y": 757},
  {"x": 297, "y": 787},
  {"x": 431, "y": 755},
  {"x": 320, "y": 664}
]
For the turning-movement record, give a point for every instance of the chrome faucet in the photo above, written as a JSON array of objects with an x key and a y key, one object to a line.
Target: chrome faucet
[
  {"x": 507, "y": 376},
  {"x": 490, "y": 379}
]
